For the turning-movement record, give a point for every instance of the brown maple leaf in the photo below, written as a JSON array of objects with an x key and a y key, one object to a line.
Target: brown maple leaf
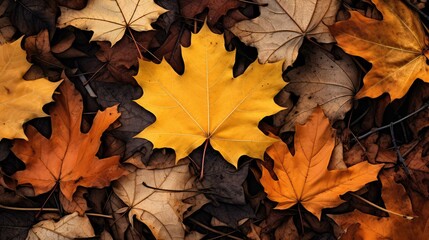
[
  {"x": 304, "y": 177},
  {"x": 68, "y": 158},
  {"x": 217, "y": 8}
]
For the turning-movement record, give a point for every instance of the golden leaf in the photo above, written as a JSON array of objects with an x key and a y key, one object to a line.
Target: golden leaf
[
  {"x": 20, "y": 100},
  {"x": 207, "y": 103}
]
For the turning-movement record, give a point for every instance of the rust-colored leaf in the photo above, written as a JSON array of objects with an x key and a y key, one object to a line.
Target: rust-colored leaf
[{"x": 68, "y": 157}]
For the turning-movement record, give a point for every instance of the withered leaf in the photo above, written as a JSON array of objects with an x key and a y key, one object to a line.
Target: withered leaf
[{"x": 326, "y": 80}]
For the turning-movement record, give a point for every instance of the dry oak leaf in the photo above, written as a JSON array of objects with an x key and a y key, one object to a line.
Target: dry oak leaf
[
  {"x": 67, "y": 228},
  {"x": 326, "y": 80},
  {"x": 396, "y": 46},
  {"x": 207, "y": 104},
  {"x": 280, "y": 29},
  {"x": 304, "y": 177},
  {"x": 20, "y": 100},
  {"x": 358, "y": 225},
  {"x": 161, "y": 210},
  {"x": 68, "y": 157},
  {"x": 109, "y": 19}
]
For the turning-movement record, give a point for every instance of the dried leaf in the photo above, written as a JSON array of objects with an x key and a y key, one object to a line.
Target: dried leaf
[
  {"x": 30, "y": 17},
  {"x": 280, "y": 29},
  {"x": 77, "y": 204},
  {"x": 217, "y": 8},
  {"x": 225, "y": 182},
  {"x": 68, "y": 157},
  {"x": 20, "y": 100},
  {"x": 222, "y": 110},
  {"x": 7, "y": 30},
  {"x": 69, "y": 227},
  {"x": 161, "y": 210},
  {"x": 110, "y": 19},
  {"x": 326, "y": 80},
  {"x": 304, "y": 177},
  {"x": 395, "y": 46}
]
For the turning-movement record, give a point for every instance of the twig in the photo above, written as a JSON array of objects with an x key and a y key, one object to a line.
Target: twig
[
  {"x": 171, "y": 190},
  {"x": 213, "y": 230},
  {"x": 415, "y": 8},
  {"x": 374, "y": 130},
  {"x": 382, "y": 209},
  {"x": 50, "y": 210},
  {"x": 398, "y": 153}
]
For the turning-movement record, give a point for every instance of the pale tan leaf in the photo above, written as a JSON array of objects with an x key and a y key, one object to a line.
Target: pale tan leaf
[
  {"x": 280, "y": 29},
  {"x": 109, "y": 19},
  {"x": 67, "y": 228},
  {"x": 161, "y": 210}
]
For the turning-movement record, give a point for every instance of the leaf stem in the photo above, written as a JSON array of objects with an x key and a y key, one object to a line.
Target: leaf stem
[
  {"x": 50, "y": 210},
  {"x": 170, "y": 190},
  {"x": 135, "y": 43},
  {"x": 382, "y": 209},
  {"x": 203, "y": 159}
]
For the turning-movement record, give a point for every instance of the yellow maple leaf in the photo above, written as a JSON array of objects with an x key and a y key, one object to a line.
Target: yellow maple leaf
[
  {"x": 109, "y": 19},
  {"x": 207, "y": 103},
  {"x": 20, "y": 100},
  {"x": 304, "y": 177},
  {"x": 396, "y": 46}
]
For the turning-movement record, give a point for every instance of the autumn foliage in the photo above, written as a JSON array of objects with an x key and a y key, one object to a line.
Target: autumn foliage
[{"x": 214, "y": 119}]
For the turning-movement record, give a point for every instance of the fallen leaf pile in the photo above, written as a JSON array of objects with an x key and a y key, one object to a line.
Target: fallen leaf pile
[{"x": 214, "y": 119}]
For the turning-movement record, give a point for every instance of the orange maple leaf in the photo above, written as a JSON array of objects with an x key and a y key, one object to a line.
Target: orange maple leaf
[
  {"x": 68, "y": 157},
  {"x": 396, "y": 46},
  {"x": 304, "y": 177}
]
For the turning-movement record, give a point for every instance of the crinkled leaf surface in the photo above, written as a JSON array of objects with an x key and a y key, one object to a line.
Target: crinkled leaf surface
[
  {"x": 20, "y": 100},
  {"x": 109, "y": 19},
  {"x": 207, "y": 103},
  {"x": 280, "y": 29},
  {"x": 396, "y": 46},
  {"x": 68, "y": 157},
  {"x": 162, "y": 211},
  {"x": 67, "y": 228},
  {"x": 304, "y": 177},
  {"x": 326, "y": 80}
]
